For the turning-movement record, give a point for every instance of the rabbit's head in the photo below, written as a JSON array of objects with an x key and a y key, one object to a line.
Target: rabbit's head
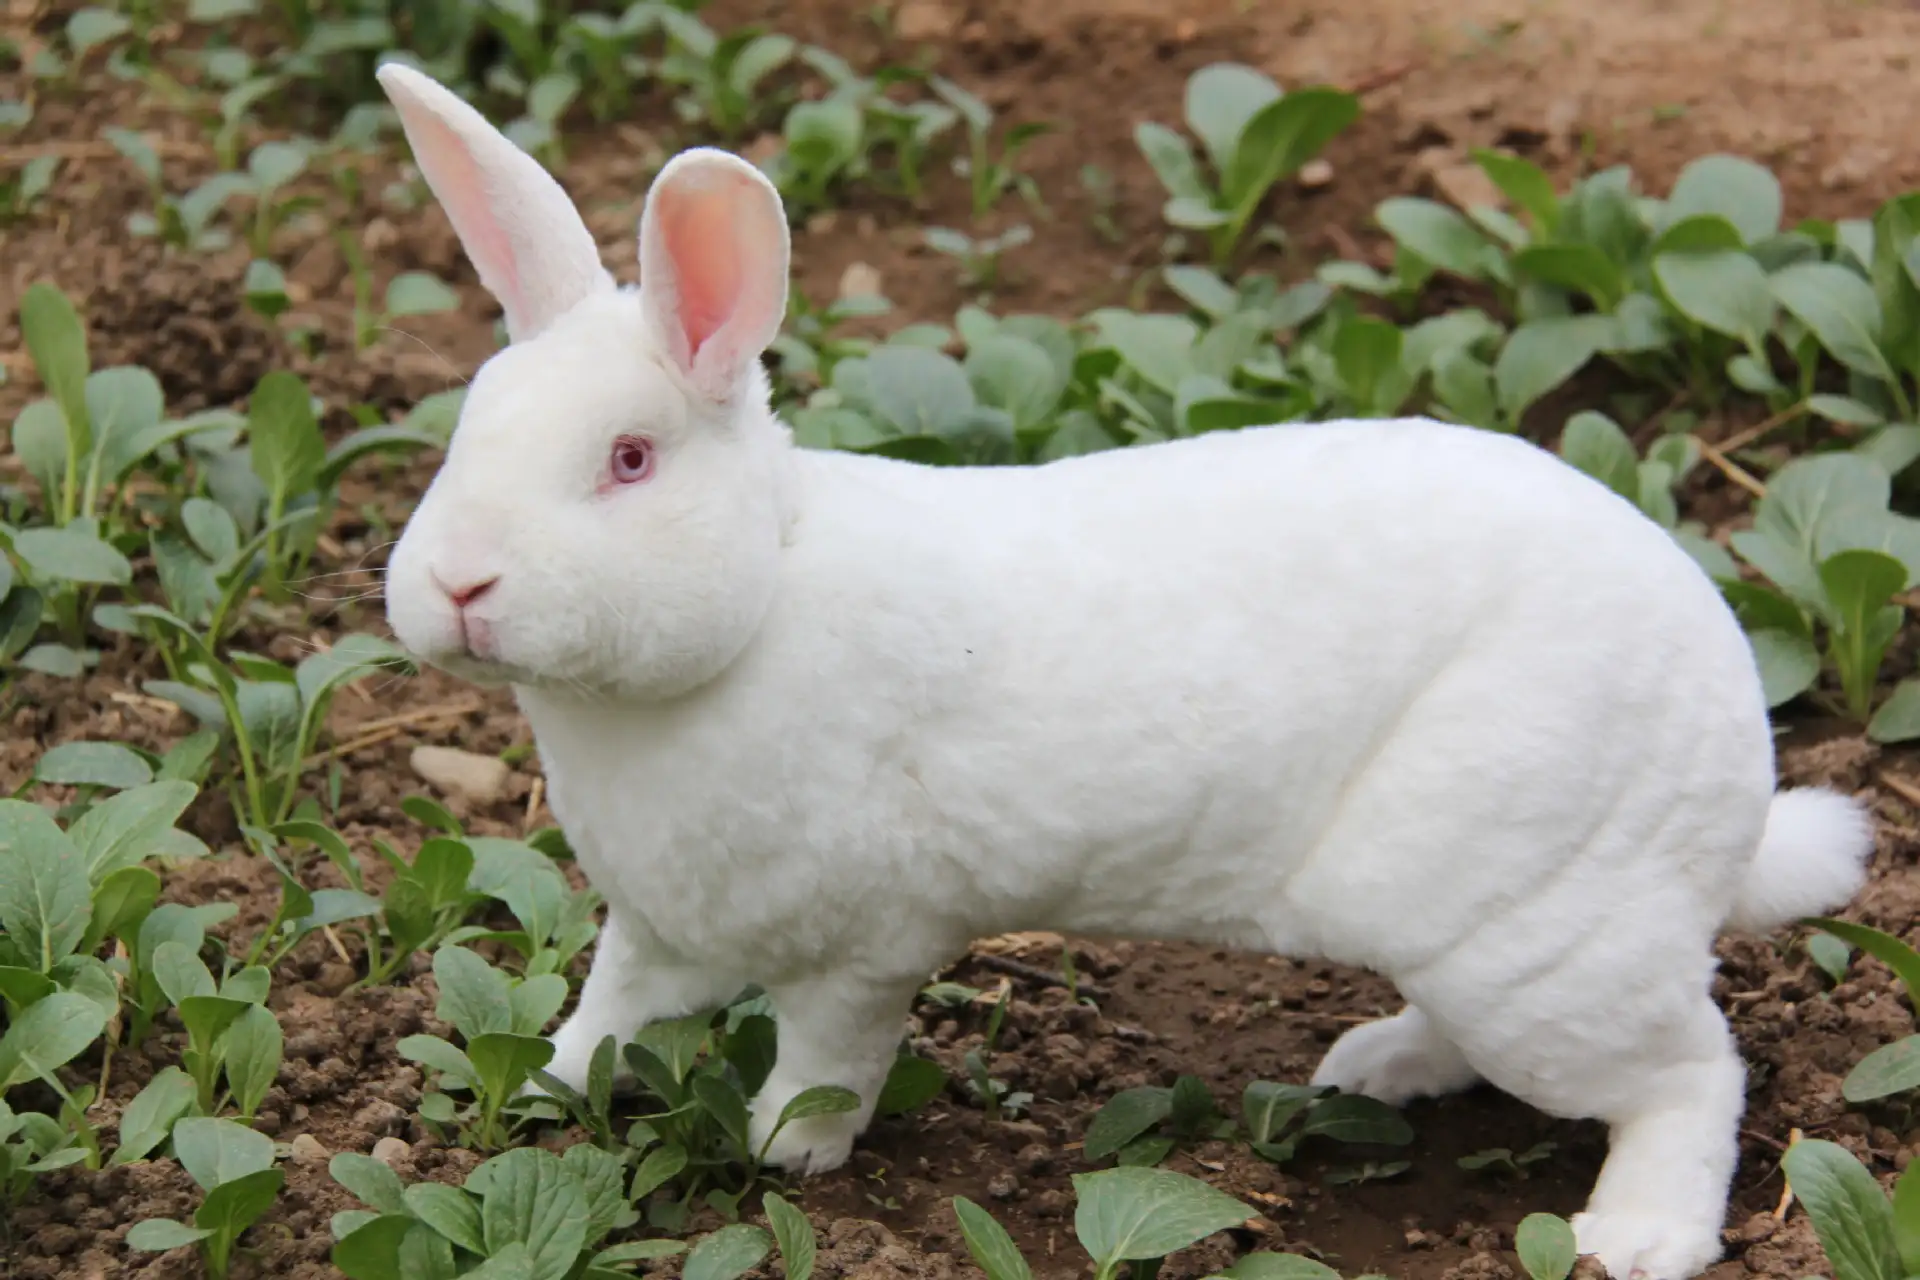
[{"x": 611, "y": 508}]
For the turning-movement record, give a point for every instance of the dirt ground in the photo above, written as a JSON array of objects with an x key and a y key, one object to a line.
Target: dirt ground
[{"x": 1819, "y": 89}]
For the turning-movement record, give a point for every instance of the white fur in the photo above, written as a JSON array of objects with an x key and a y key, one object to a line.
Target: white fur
[{"x": 1403, "y": 695}]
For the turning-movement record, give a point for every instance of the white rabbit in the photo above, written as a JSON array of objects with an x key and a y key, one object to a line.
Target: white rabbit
[{"x": 1402, "y": 695}]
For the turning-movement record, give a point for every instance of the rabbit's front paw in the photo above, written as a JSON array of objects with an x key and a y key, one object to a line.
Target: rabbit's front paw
[
  {"x": 1395, "y": 1060},
  {"x": 1648, "y": 1246},
  {"x": 811, "y": 1145}
]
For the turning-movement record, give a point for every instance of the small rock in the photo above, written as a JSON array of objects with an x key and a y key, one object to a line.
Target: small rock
[
  {"x": 479, "y": 779},
  {"x": 389, "y": 1151},
  {"x": 1003, "y": 1186},
  {"x": 308, "y": 1149},
  {"x": 859, "y": 280},
  {"x": 1461, "y": 183},
  {"x": 823, "y": 222},
  {"x": 919, "y": 20},
  {"x": 380, "y": 1116},
  {"x": 1315, "y": 174}
]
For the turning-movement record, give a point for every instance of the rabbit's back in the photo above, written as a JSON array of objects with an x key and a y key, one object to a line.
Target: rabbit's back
[{"x": 1270, "y": 687}]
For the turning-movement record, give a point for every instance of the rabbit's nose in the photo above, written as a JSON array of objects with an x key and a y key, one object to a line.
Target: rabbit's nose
[{"x": 466, "y": 595}]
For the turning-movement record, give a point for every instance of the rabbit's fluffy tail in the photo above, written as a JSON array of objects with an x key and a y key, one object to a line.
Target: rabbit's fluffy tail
[{"x": 1812, "y": 859}]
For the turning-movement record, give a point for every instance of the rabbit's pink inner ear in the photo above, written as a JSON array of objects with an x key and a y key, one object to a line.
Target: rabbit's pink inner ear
[
  {"x": 698, "y": 229},
  {"x": 726, "y": 269},
  {"x": 458, "y": 183}
]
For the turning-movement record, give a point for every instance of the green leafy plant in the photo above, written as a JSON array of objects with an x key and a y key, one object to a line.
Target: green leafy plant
[
  {"x": 231, "y": 1035},
  {"x": 721, "y": 77},
  {"x": 500, "y": 1019},
  {"x": 32, "y": 1144},
  {"x": 825, "y": 143},
  {"x": 181, "y": 221},
  {"x": 995, "y": 1095},
  {"x": 233, "y": 1166},
  {"x": 272, "y": 714},
  {"x": 1546, "y": 1246},
  {"x": 978, "y": 257},
  {"x": 1253, "y": 135},
  {"x": 1142, "y": 1126},
  {"x": 1125, "y": 1216},
  {"x": 1892, "y": 1068},
  {"x": 1836, "y": 557},
  {"x": 989, "y": 174},
  {"x": 22, "y": 188},
  {"x": 1866, "y": 1234},
  {"x": 410, "y": 293},
  {"x": 1506, "y": 1160},
  {"x": 523, "y": 1212}
]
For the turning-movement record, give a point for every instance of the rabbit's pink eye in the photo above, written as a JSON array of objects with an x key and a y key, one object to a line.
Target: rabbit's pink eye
[{"x": 632, "y": 459}]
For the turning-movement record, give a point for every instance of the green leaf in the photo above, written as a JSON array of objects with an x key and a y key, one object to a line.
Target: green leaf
[
  {"x": 992, "y": 1248},
  {"x": 1221, "y": 100},
  {"x": 1858, "y": 583},
  {"x": 181, "y": 973},
  {"x": 419, "y": 293},
  {"x": 371, "y": 1250},
  {"x": 1158, "y": 348},
  {"x": 724, "y": 1103},
  {"x": 727, "y": 1254},
  {"x": 1266, "y": 1108},
  {"x": 1282, "y": 137},
  {"x": 1366, "y": 353},
  {"x": 93, "y": 764},
  {"x": 1172, "y": 161},
  {"x": 1277, "y": 1266},
  {"x": 1898, "y": 719},
  {"x": 48, "y": 1034},
  {"x": 123, "y": 830},
  {"x": 1789, "y": 663},
  {"x": 148, "y": 1120},
  {"x": 1725, "y": 292},
  {"x": 157, "y": 1235},
  {"x": 531, "y": 1198},
  {"x": 214, "y": 1151},
  {"x": 820, "y": 1100},
  {"x": 1546, "y": 1246},
  {"x": 1127, "y": 1115},
  {"x": 375, "y": 1184},
  {"x": 1134, "y": 1213},
  {"x": 1890, "y": 1069},
  {"x": 1016, "y": 375},
  {"x": 661, "y": 1166},
  {"x": 253, "y": 1048},
  {"x": 1840, "y": 309},
  {"x": 1354, "y": 1117},
  {"x": 237, "y": 1203},
  {"x": 1884, "y": 947},
  {"x": 1744, "y": 193},
  {"x": 1906, "y": 1219},
  {"x": 45, "y": 899},
  {"x": 451, "y": 1211},
  {"x": 793, "y": 1234},
  {"x": 1524, "y": 184},
  {"x": 436, "y": 1054},
  {"x": 1435, "y": 234},
  {"x": 1582, "y": 268},
  {"x": 503, "y": 1061},
  {"x": 911, "y": 1084},
  {"x": 1595, "y": 443},
  {"x": 71, "y": 554},
  {"x": 286, "y": 446},
  {"x": 93, "y": 26},
  {"x": 57, "y": 341},
  {"x": 1540, "y": 355},
  {"x": 1850, "y": 1213},
  {"x": 917, "y": 391},
  {"x": 474, "y": 995}
]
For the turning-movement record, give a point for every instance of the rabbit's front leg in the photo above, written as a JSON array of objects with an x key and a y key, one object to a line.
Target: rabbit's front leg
[
  {"x": 629, "y": 985},
  {"x": 836, "y": 1029}
]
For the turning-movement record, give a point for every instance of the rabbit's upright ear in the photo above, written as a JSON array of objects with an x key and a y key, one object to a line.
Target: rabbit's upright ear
[
  {"x": 713, "y": 266},
  {"x": 521, "y": 232}
]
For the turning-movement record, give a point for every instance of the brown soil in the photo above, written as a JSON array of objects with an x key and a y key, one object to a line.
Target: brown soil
[{"x": 1814, "y": 87}]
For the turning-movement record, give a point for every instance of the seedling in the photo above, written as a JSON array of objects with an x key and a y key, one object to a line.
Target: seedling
[
  {"x": 32, "y": 1144},
  {"x": 273, "y": 714},
  {"x": 1142, "y": 1126},
  {"x": 1837, "y": 558},
  {"x": 230, "y": 1033},
  {"x": 186, "y": 221},
  {"x": 825, "y": 142},
  {"x": 720, "y": 76},
  {"x": 1866, "y": 1234},
  {"x": 910, "y": 131},
  {"x": 233, "y": 1166},
  {"x": 22, "y": 188},
  {"x": 524, "y": 1212},
  {"x": 411, "y": 293},
  {"x": 1892, "y": 1068},
  {"x": 1125, "y": 1216},
  {"x": 990, "y": 176},
  {"x": 1254, "y": 136},
  {"x": 979, "y": 259},
  {"x": 271, "y": 166},
  {"x": 500, "y": 1019},
  {"x": 1546, "y": 1246},
  {"x": 1506, "y": 1160},
  {"x": 994, "y": 1095}
]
